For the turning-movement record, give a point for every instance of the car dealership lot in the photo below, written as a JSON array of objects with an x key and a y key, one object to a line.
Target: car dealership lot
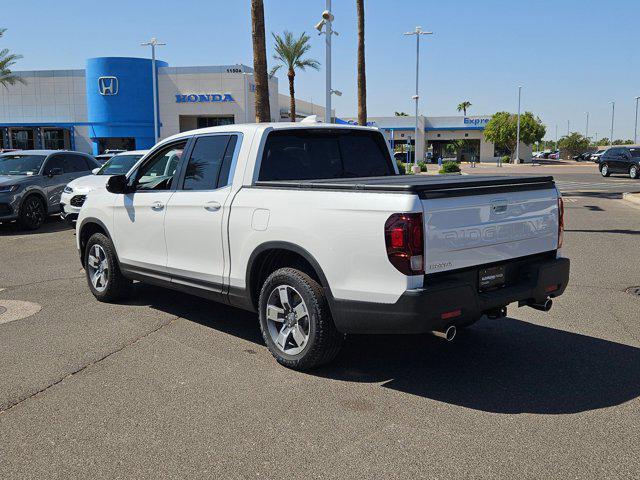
[{"x": 169, "y": 385}]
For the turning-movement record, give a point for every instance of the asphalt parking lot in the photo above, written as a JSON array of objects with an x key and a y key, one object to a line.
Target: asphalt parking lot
[{"x": 172, "y": 386}]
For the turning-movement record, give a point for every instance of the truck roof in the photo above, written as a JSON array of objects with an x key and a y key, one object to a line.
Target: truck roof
[{"x": 252, "y": 127}]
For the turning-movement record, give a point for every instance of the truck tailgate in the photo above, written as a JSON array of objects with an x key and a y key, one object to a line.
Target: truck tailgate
[{"x": 471, "y": 230}]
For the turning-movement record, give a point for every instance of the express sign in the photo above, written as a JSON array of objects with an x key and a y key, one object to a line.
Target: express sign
[{"x": 202, "y": 98}]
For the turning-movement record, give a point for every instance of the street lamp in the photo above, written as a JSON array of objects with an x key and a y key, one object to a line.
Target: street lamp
[
  {"x": 154, "y": 76},
  {"x": 613, "y": 112},
  {"x": 417, "y": 32},
  {"x": 635, "y": 128},
  {"x": 518, "y": 128},
  {"x": 326, "y": 21},
  {"x": 568, "y": 131},
  {"x": 586, "y": 129}
]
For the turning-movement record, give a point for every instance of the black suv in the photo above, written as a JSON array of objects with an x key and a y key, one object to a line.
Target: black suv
[{"x": 621, "y": 160}]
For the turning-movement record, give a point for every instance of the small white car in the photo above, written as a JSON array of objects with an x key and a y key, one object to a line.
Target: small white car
[{"x": 75, "y": 192}]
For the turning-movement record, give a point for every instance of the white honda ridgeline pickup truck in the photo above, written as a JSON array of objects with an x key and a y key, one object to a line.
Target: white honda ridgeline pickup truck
[{"x": 311, "y": 226}]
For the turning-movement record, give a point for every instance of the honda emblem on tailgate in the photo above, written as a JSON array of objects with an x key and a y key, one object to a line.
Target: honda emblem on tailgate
[{"x": 108, "y": 85}]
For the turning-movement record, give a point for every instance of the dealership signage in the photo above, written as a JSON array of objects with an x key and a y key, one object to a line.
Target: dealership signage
[
  {"x": 203, "y": 97},
  {"x": 476, "y": 121},
  {"x": 108, "y": 86}
]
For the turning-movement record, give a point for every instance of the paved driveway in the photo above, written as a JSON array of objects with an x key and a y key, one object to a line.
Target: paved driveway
[{"x": 171, "y": 386}]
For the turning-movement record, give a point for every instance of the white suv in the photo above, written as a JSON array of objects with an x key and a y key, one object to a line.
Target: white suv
[{"x": 75, "y": 192}]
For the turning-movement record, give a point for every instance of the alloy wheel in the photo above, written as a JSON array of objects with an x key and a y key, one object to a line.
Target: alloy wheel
[
  {"x": 34, "y": 212},
  {"x": 98, "y": 267},
  {"x": 288, "y": 320}
]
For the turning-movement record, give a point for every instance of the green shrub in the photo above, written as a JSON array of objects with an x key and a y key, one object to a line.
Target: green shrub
[
  {"x": 401, "y": 169},
  {"x": 450, "y": 167},
  {"x": 423, "y": 166},
  {"x": 506, "y": 159}
]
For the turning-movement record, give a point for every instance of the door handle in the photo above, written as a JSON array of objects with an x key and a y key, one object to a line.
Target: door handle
[
  {"x": 212, "y": 206},
  {"x": 157, "y": 206}
]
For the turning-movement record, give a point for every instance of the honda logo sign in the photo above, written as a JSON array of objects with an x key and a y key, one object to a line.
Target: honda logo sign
[{"x": 108, "y": 85}]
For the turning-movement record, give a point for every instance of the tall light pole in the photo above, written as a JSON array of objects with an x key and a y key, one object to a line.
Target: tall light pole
[
  {"x": 635, "y": 128},
  {"x": 518, "y": 128},
  {"x": 417, "y": 32},
  {"x": 154, "y": 76},
  {"x": 568, "y": 131},
  {"x": 586, "y": 129},
  {"x": 556, "y": 136},
  {"x": 613, "y": 113},
  {"x": 326, "y": 22}
]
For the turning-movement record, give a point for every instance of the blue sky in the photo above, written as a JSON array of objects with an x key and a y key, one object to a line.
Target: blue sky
[{"x": 570, "y": 56}]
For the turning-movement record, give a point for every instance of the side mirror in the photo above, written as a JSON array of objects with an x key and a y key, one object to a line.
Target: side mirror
[
  {"x": 118, "y": 184},
  {"x": 95, "y": 170},
  {"x": 55, "y": 171}
]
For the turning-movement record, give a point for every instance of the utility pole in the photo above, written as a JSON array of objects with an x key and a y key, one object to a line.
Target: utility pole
[
  {"x": 635, "y": 128},
  {"x": 613, "y": 113},
  {"x": 518, "y": 128},
  {"x": 417, "y": 32},
  {"x": 326, "y": 21},
  {"x": 586, "y": 130},
  {"x": 154, "y": 75}
]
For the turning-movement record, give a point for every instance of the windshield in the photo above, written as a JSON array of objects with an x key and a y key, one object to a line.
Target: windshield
[
  {"x": 13, "y": 164},
  {"x": 119, "y": 165}
]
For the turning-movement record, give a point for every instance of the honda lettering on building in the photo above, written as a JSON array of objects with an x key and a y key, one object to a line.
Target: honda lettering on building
[
  {"x": 206, "y": 97},
  {"x": 108, "y": 85}
]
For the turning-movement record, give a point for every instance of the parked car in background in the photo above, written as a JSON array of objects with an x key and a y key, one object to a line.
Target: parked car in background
[
  {"x": 75, "y": 192},
  {"x": 107, "y": 154},
  {"x": 595, "y": 157},
  {"x": 31, "y": 183},
  {"x": 313, "y": 228},
  {"x": 554, "y": 156},
  {"x": 582, "y": 157},
  {"x": 620, "y": 160}
]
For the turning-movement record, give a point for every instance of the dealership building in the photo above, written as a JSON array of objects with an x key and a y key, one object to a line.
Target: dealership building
[
  {"x": 456, "y": 137},
  {"x": 109, "y": 104}
]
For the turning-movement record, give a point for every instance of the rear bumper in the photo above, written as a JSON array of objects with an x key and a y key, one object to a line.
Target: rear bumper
[{"x": 420, "y": 311}]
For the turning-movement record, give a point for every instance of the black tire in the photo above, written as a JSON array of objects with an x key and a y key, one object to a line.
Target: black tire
[
  {"x": 116, "y": 286},
  {"x": 32, "y": 213},
  {"x": 604, "y": 169},
  {"x": 634, "y": 171},
  {"x": 324, "y": 341}
]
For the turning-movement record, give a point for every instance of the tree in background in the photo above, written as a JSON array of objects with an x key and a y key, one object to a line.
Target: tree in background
[
  {"x": 502, "y": 130},
  {"x": 401, "y": 114},
  {"x": 602, "y": 141},
  {"x": 573, "y": 144},
  {"x": 622, "y": 142},
  {"x": 261, "y": 79},
  {"x": 7, "y": 60},
  {"x": 362, "y": 78},
  {"x": 290, "y": 52},
  {"x": 463, "y": 106}
]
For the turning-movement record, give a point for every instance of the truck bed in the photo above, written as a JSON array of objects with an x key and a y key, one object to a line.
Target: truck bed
[{"x": 423, "y": 185}]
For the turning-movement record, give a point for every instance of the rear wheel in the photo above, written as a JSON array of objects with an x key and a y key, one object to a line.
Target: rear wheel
[
  {"x": 105, "y": 280},
  {"x": 295, "y": 320},
  {"x": 32, "y": 213},
  {"x": 634, "y": 171},
  {"x": 604, "y": 170}
]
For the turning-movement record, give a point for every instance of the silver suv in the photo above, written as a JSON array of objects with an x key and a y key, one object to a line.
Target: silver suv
[{"x": 31, "y": 182}]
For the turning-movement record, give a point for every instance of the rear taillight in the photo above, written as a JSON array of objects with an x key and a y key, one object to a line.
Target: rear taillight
[
  {"x": 560, "y": 222},
  {"x": 405, "y": 242}
]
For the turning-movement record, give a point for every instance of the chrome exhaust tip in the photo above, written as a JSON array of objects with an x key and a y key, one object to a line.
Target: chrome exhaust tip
[
  {"x": 447, "y": 334},
  {"x": 544, "y": 306}
]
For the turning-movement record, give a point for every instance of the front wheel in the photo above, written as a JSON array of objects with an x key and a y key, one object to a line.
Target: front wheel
[
  {"x": 295, "y": 320},
  {"x": 604, "y": 170},
  {"x": 32, "y": 213},
  {"x": 634, "y": 171},
  {"x": 104, "y": 277}
]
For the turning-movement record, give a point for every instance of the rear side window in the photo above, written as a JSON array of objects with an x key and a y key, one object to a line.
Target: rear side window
[
  {"x": 308, "y": 154},
  {"x": 635, "y": 152},
  {"x": 75, "y": 163},
  {"x": 207, "y": 168}
]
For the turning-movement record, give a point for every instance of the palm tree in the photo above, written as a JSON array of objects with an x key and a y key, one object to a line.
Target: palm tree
[
  {"x": 263, "y": 111},
  {"x": 362, "y": 79},
  {"x": 6, "y": 61},
  {"x": 463, "y": 106},
  {"x": 290, "y": 52}
]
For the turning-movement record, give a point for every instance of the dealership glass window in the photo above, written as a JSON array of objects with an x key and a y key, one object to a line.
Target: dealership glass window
[
  {"x": 22, "y": 139},
  {"x": 53, "y": 138},
  {"x": 204, "y": 122},
  {"x": 205, "y": 162}
]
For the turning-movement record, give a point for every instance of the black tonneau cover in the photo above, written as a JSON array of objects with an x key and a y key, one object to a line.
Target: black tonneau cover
[{"x": 423, "y": 185}]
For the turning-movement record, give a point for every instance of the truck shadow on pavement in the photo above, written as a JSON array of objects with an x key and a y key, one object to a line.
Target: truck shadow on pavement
[
  {"x": 51, "y": 225},
  {"x": 499, "y": 366}
]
